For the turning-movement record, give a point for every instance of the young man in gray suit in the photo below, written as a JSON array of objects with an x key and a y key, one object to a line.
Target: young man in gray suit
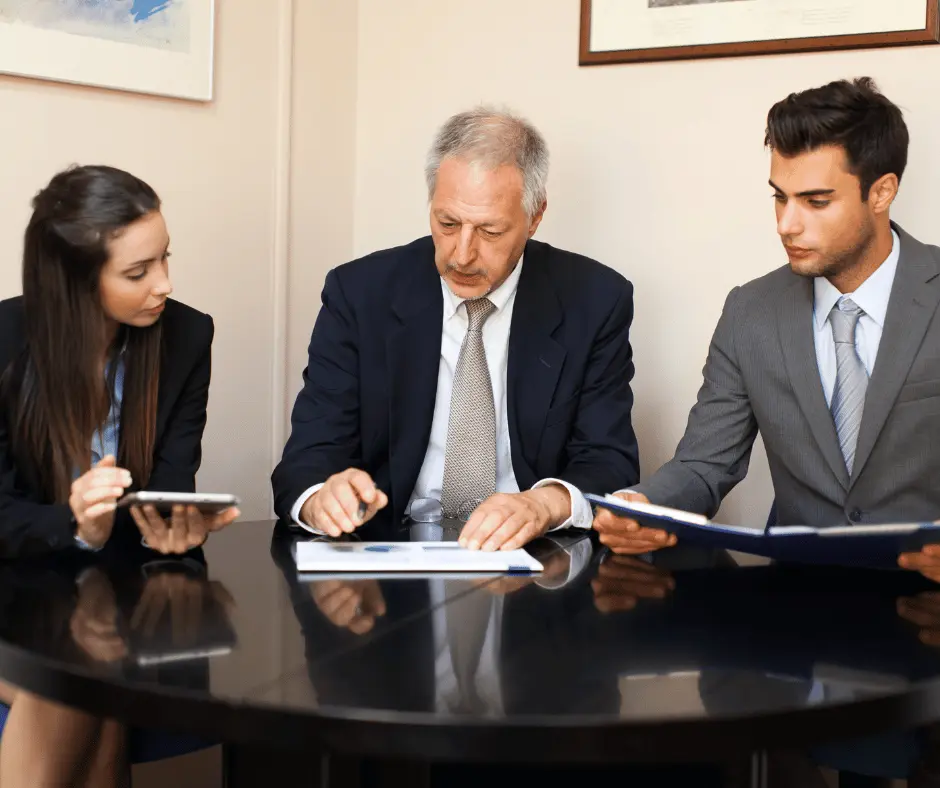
[{"x": 835, "y": 358}]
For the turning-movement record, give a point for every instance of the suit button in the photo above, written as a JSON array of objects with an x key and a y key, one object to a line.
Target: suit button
[{"x": 855, "y": 515}]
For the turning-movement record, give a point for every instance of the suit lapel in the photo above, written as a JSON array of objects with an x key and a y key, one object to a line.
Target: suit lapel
[
  {"x": 170, "y": 350},
  {"x": 413, "y": 350},
  {"x": 535, "y": 360},
  {"x": 795, "y": 321},
  {"x": 913, "y": 302}
]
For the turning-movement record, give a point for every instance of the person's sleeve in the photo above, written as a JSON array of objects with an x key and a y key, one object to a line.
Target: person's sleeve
[
  {"x": 299, "y": 505},
  {"x": 324, "y": 437},
  {"x": 27, "y": 527},
  {"x": 602, "y": 452},
  {"x": 579, "y": 515}
]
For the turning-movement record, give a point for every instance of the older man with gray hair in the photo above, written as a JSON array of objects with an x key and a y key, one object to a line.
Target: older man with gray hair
[{"x": 475, "y": 372}]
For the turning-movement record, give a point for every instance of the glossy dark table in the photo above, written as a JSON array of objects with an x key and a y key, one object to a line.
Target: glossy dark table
[{"x": 601, "y": 660}]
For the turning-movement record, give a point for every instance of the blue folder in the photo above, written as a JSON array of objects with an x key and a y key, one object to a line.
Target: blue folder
[{"x": 847, "y": 545}]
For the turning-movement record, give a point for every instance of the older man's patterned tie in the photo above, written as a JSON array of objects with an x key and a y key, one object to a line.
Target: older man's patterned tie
[{"x": 470, "y": 455}]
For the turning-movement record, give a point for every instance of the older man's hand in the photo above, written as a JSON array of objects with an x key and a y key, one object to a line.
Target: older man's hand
[
  {"x": 345, "y": 502},
  {"x": 509, "y": 521}
]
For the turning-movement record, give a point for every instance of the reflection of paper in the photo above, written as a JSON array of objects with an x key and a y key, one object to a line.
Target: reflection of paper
[
  {"x": 407, "y": 557},
  {"x": 633, "y": 24},
  {"x": 837, "y": 678},
  {"x": 673, "y": 693},
  {"x": 149, "y": 660}
]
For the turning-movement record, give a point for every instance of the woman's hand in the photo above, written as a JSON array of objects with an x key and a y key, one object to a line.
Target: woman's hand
[
  {"x": 93, "y": 500},
  {"x": 186, "y": 528}
]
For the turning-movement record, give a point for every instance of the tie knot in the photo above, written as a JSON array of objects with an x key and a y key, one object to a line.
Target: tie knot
[
  {"x": 478, "y": 310},
  {"x": 847, "y": 305},
  {"x": 844, "y": 318}
]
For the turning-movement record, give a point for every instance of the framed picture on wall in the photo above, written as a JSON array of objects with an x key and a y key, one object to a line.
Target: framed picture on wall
[
  {"x": 623, "y": 31},
  {"x": 163, "y": 47}
]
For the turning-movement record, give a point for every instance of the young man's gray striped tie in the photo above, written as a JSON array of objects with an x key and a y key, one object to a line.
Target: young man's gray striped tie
[{"x": 848, "y": 397}]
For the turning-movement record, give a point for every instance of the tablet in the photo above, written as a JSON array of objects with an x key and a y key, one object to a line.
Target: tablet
[{"x": 208, "y": 503}]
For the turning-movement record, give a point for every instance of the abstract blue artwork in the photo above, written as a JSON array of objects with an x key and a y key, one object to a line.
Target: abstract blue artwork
[
  {"x": 153, "y": 23},
  {"x": 164, "y": 47}
]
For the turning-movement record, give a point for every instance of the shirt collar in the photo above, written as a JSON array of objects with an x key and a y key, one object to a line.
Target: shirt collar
[
  {"x": 872, "y": 295},
  {"x": 499, "y": 297}
]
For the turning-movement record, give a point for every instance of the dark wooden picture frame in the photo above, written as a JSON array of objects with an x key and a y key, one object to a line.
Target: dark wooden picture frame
[{"x": 930, "y": 34}]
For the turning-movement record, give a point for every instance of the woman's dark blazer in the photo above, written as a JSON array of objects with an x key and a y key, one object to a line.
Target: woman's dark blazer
[{"x": 29, "y": 523}]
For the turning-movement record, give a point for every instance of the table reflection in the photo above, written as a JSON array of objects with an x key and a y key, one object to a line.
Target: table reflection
[
  {"x": 154, "y": 619},
  {"x": 594, "y": 625}
]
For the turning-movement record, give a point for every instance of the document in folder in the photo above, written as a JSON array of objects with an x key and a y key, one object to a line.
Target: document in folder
[
  {"x": 381, "y": 557},
  {"x": 865, "y": 545}
]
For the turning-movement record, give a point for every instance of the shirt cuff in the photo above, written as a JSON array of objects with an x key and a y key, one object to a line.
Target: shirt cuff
[
  {"x": 81, "y": 544},
  {"x": 295, "y": 509},
  {"x": 580, "y": 516},
  {"x": 579, "y": 554}
]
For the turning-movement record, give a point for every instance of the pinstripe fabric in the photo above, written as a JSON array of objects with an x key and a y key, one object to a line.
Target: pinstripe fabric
[{"x": 848, "y": 398}]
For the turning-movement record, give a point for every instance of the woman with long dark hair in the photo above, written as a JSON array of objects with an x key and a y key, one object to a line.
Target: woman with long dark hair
[{"x": 104, "y": 382}]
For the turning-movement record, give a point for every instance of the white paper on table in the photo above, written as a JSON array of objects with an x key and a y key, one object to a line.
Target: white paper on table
[{"x": 338, "y": 557}]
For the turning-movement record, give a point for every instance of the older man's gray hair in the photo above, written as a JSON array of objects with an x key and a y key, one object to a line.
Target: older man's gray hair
[{"x": 492, "y": 138}]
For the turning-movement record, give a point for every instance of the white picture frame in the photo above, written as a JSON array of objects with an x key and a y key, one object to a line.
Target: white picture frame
[{"x": 159, "y": 47}]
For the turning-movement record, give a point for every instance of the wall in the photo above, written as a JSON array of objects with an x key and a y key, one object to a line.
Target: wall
[
  {"x": 323, "y": 133},
  {"x": 658, "y": 169},
  {"x": 215, "y": 165}
]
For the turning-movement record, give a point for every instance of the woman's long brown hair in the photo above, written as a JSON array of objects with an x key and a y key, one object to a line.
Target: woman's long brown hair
[{"x": 55, "y": 394}]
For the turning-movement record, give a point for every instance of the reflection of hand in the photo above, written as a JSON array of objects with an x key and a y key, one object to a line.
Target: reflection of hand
[
  {"x": 622, "y": 581},
  {"x": 187, "y": 527},
  {"x": 556, "y": 564},
  {"x": 351, "y": 604},
  {"x": 923, "y": 611},
  {"x": 185, "y": 598},
  {"x": 926, "y": 561},
  {"x": 94, "y": 621}
]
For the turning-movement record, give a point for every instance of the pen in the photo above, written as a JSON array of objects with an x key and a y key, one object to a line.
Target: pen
[{"x": 363, "y": 508}]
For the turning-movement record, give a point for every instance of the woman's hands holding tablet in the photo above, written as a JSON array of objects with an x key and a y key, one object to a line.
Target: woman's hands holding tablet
[{"x": 190, "y": 520}]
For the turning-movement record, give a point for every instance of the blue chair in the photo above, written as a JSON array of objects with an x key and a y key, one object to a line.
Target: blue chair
[
  {"x": 145, "y": 746},
  {"x": 886, "y": 756}
]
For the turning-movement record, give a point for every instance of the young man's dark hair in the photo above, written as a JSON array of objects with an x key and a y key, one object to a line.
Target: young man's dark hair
[{"x": 853, "y": 115}]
